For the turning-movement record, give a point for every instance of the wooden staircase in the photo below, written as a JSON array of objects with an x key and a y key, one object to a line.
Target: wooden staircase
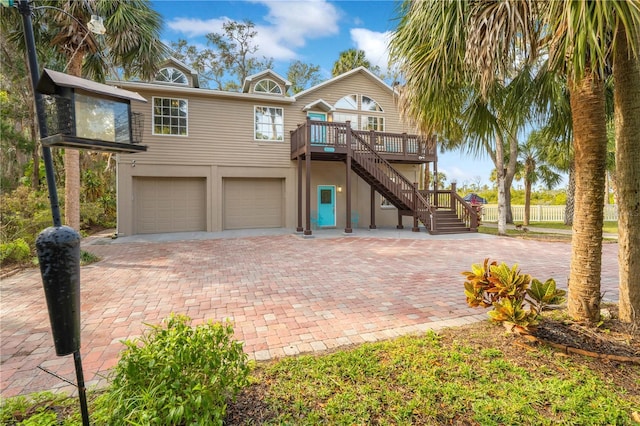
[
  {"x": 448, "y": 222},
  {"x": 385, "y": 179}
]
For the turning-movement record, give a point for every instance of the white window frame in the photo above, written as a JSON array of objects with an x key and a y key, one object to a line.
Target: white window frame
[
  {"x": 270, "y": 84},
  {"x": 255, "y": 124},
  {"x": 353, "y": 118},
  {"x": 173, "y": 73},
  {"x": 169, "y": 117},
  {"x": 379, "y": 125},
  {"x": 346, "y": 99},
  {"x": 373, "y": 101}
]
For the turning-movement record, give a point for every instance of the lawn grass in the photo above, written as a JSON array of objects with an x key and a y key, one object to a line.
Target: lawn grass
[
  {"x": 471, "y": 375},
  {"x": 609, "y": 227},
  {"x": 433, "y": 380}
]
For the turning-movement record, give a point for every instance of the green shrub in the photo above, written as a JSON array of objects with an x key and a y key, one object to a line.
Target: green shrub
[
  {"x": 506, "y": 289},
  {"x": 175, "y": 374},
  {"x": 16, "y": 251}
]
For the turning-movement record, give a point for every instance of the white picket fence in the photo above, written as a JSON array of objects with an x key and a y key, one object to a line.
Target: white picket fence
[{"x": 541, "y": 213}]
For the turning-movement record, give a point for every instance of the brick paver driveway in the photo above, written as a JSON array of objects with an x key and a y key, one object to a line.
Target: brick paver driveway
[{"x": 285, "y": 294}]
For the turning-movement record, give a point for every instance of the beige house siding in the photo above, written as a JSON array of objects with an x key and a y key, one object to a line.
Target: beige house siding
[
  {"x": 220, "y": 146},
  {"x": 359, "y": 84},
  {"x": 334, "y": 173},
  {"x": 220, "y": 131}
]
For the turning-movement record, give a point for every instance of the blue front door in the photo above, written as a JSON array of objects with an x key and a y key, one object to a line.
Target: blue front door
[
  {"x": 318, "y": 133},
  {"x": 326, "y": 205}
]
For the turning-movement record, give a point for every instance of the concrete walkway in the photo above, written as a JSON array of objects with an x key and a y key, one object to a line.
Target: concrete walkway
[{"x": 285, "y": 294}]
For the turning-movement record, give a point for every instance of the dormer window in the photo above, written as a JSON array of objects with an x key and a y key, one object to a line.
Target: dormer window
[
  {"x": 171, "y": 75},
  {"x": 268, "y": 86}
]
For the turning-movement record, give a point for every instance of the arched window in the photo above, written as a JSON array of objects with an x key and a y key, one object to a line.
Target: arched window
[
  {"x": 348, "y": 102},
  {"x": 268, "y": 86},
  {"x": 369, "y": 104},
  {"x": 171, "y": 75}
]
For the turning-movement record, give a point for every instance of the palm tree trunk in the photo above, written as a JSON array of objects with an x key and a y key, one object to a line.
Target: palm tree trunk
[
  {"x": 626, "y": 74},
  {"x": 571, "y": 196},
  {"x": 500, "y": 172},
  {"x": 527, "y": 202},
  {"x": 510, "y": 174},
  {"x": 590, "y": 149},
  {"x": 72, "y": 166}
]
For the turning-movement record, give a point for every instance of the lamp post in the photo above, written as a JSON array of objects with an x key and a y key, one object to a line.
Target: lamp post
[{"x": 58, "y": 247}]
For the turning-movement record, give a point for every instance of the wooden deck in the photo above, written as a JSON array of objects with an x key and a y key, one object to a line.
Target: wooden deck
[
  {"x": 370, "y": 155},
  {"x": 329, "y": 143}
]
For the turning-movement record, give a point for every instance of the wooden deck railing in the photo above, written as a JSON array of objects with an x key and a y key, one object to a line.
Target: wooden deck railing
[
  {"x": 328, "y": 136},
  {"x": 405, "y": 193},
  {"x": 450, "y": 200}
]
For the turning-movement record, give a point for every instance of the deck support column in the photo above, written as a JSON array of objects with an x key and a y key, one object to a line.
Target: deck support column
[
  {"x": 435, "y": 181},
  {"x": 415, "y": 228},
  {"x": 299, "y": 228},
  {"x": 373, "y": 209},
  {"x": 307, "y": 162},
  {"x": 399, "y": 226},
  {"x": 348, "y": 229}
]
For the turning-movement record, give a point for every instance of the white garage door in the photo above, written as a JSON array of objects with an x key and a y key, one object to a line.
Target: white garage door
[
  {"x": 169, "y": 205},
  {"x": 253, "y": 203}
]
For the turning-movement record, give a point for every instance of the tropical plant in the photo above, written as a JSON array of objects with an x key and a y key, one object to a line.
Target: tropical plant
[
  {"x": 436, "y": 47},
  {"x": 536, "y": 168},
  {"x": 351, "y": 59},
  {"x": 431, "y": 44},
  {"x": 506, "y": 289},
  {"x": 175, "y": 374},
  {"x": 132, "y": 43}
]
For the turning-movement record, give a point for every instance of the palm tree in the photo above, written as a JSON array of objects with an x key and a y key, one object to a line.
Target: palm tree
[
  {"x": 132, "y": 43},
  {"x": 626, "y": 74},
  {"x": 444, "y": 94},
  {"x": 536, "y": 168},
  {"x": 350, "y": 60},
  {"x": 438, "y": 43}
]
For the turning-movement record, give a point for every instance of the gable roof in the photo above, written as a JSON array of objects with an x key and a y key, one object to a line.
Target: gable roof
[
  {"x": 347, "y": 74},
  {"x": 320, "y": 104},
  {"x": 265, "y": 74},
  {"x": 171, "y": 61}
]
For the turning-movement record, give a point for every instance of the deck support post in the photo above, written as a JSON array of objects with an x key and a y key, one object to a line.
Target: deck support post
[
  {"x": 435, "y": 181},
  {"x": 299, "y": 228},
  {"x": 399, "y": 226},
  {"x": 415, "y": 228},
  {"x": 307, "y": 162},
  {"x": 373, "y": 209},
  {"x": 348, "y": 229}
]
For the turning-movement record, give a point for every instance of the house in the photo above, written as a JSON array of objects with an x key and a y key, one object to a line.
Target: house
[{"x": 335, "y": 155}]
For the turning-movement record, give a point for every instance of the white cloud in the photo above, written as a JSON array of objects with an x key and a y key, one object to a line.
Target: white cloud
[
  {"x": 193, "y": 27},
  {"x": 374, "y": 44},
  {"x": 290, "y": 25}
]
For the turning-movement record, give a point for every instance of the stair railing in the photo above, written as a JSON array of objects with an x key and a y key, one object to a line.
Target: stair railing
[{"x": 404, "y": 190}]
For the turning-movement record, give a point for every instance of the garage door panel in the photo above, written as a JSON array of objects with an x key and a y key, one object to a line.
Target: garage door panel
[
  {"x": 253, "y": 203},
  {"x": 169, "y": 205}
]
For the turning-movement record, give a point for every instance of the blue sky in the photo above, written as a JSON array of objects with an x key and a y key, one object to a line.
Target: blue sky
[{"x": 312, "y": 31}]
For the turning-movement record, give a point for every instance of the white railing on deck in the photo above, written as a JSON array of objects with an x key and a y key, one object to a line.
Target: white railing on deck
[{"x": 542, "y": 213}]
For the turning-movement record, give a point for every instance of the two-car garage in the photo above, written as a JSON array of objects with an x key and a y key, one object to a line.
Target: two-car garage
[{"x": 179, "y": 204}]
